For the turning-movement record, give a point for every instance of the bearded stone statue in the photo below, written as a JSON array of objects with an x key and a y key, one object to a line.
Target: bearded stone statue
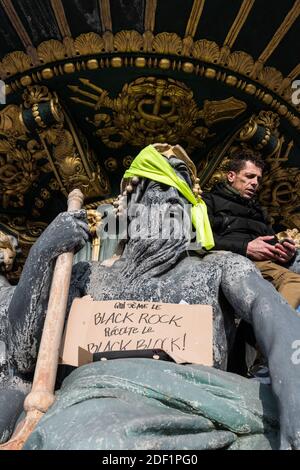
[{"x": 142, "y": 403}]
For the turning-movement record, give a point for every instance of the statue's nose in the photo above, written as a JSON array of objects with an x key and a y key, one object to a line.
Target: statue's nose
[{"x": 172, "y": 196}]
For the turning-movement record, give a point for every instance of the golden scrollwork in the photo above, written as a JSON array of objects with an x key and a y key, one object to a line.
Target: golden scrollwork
[
  {"x": 281, "y": 188},
  {"x": 27, "y": 231},
  {"x": 72, "y": 167},
  {"x": 11, "y": 123},
  {"x": 36, "y": 94},
  {"x": 58, "y": 149},
  {"x": 269, "y": 120},
  {"x": 21, "y": 159},
  {"x": 154, "y": 109},
  {"x": 215, "y": 111}
]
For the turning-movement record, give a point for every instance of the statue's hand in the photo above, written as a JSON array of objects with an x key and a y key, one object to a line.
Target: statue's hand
[{"x": 69, "y": 231}]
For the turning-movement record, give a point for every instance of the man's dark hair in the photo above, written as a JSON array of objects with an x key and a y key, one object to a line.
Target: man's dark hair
[{"x": 238, "y": 162}]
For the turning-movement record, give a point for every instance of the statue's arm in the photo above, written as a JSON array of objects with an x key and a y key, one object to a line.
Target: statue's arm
[{"x": 27, "y": 309}]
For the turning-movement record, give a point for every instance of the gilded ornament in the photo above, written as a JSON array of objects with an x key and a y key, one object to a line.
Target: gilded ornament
[
  {"x": 188, "y": 67},
  {"x": 51, "y": 51},
  {"x": 210, "y": 73},
  {"x": 132, "y": 41},
  {"x": 231, "y": 80},
  {"x": 128, "y": 41},
  {"x": 111, "y": 164},
  {"x": 240, "y": 62},
  {"x": 21, "y": 162},
  {"x": 16, "y": 62},
  {"x": 154, "y": 109},
  {"x": 167, "y": 43},
  {"x": 8, "y": 89},
  {"x": 267, "y": 98},
  {"x": 282, "y": 110},
  {"x": 164, "y": 64},
  {"x": 127, "y": 161},
  {"x": 92, "y": 64},
  {"x": 207, "y": 51},
  {"x": 72, "y": 166},
  {"x": 69, "y": 68},
  {"x": 89, "y": 43},
  {"x": 54, "y": 185},
  {"x": 295, "y": 121},
  {"x": 268, "y": 119},
  {"x": 26, "y": 80},
  {"x": 270, "y": 77},
  {"x": 116, "y": 62},
  {"x": 39, "y": 203},
  {"x": 216, "y": 111},
  {"x": 140, "y": 62},
  {"x": 94, "y": 220},
  {"x": 45, "y": 194},
  {"x": 11, "y": 123},
  {"x": 47, "y": 74}
]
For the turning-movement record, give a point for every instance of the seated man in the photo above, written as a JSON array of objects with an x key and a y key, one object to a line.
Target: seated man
[
  {"x": 240, "y": 225},
  {"x": 160, "y": 269}
]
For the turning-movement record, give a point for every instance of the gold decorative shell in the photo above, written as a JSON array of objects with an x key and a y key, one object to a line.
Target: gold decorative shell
[
  {"x": 16, "y": 62},
  {"x": 241, "y": 62},
  {"x": 128, "y": 41},
  {"x": 167, "y": 43},
  {"x": 206, "y": 50},
  {"x": 270, "y": 77},
  {"x": 89, "y": 43},
  {"x": 50, "y": 51}
]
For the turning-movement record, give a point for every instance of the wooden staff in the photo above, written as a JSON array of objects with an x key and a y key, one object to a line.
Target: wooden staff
[{"x": 42, "y": 396}]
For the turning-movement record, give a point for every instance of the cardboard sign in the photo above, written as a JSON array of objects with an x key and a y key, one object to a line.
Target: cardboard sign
[{"x": 183, "y": 331}]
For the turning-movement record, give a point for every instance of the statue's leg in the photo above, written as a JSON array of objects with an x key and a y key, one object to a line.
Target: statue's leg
[
  {"x": 277, "y": 329},
  {"x": 12, "y": 395}
]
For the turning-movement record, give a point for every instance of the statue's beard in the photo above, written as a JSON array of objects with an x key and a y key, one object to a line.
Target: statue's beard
[{"x": 158, "y": 235}]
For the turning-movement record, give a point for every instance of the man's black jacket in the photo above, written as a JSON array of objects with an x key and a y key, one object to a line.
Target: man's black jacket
[{"x": 235, "y": 220}]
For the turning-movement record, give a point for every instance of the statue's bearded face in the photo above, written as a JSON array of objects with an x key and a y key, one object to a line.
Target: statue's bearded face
[
  {"x": 161, "y": 212},
  {"x": 159, "y": 227}
]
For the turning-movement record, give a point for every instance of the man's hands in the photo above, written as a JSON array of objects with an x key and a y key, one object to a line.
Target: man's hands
[{"x": 260, "y": 250}]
